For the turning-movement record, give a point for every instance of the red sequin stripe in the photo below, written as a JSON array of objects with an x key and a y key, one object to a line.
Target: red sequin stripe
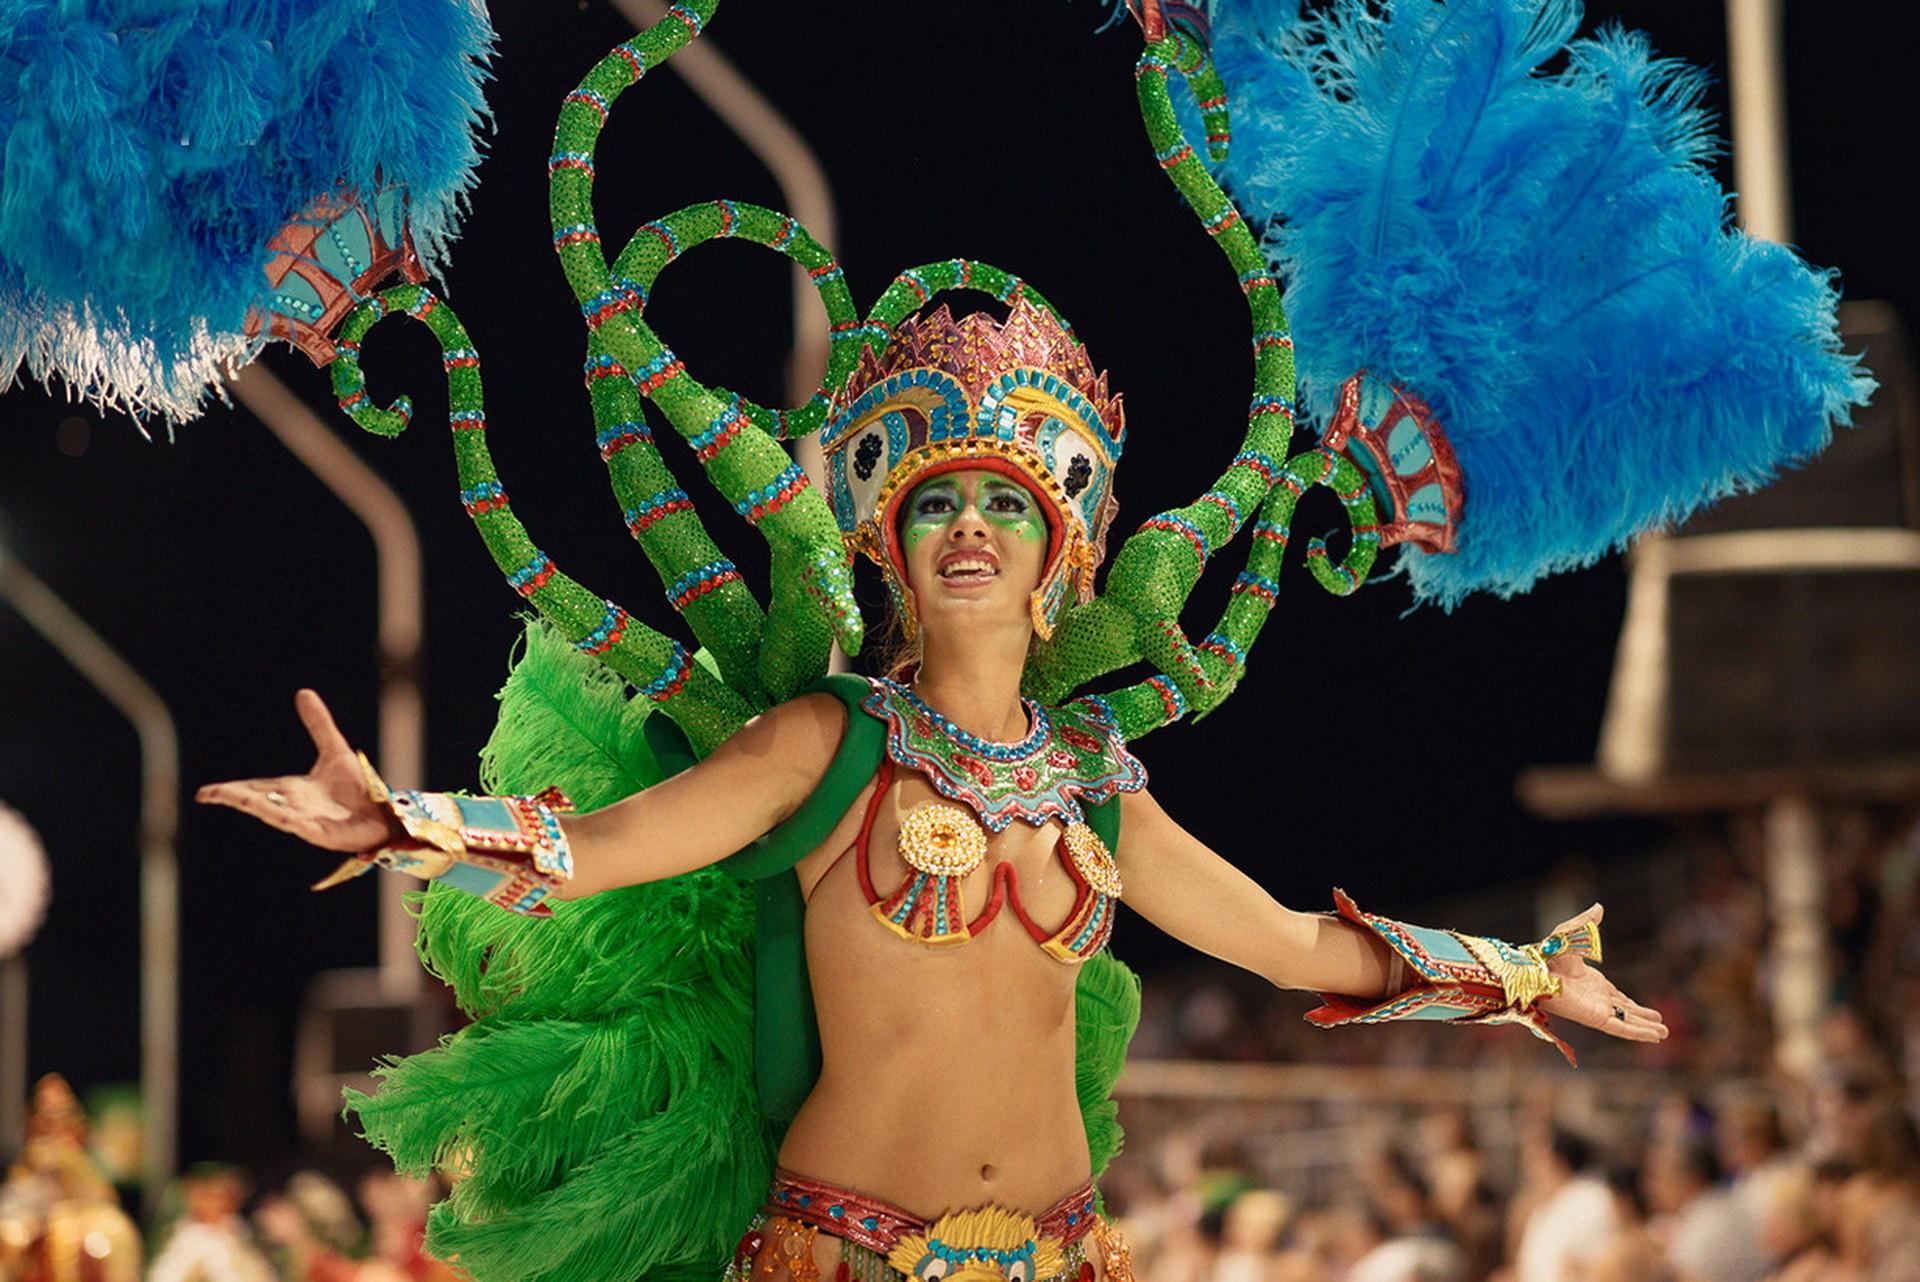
[
  {"x": 1270, "y": 532},
  {"x": 651, "y": 383},
  {"x": 1171, "y": 630},
  {"x": 652, "y": 514},
  {"x": 665, "y": 237},
  {"x": 693, "y": 593},
  {"x": 1169, "y": 697},
  {"x": 688, "y": 19},
  {"x": 1222, "y": 502},
  {"x": 919, "y": 287},
  {"x": 1221, "y": 222},
  {"x": 632, "y": 59},
  {"x": 733, "y": 419},
  {"x": 760, "y": 511}
]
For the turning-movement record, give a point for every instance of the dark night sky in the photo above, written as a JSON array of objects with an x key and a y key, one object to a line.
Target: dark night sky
[{"x": 1367, "y": 749}]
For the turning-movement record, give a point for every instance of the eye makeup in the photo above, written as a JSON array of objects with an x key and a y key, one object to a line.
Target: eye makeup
[{"x": 934, "y": 504}]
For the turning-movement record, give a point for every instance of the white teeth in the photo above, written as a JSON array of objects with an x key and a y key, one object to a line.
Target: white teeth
[{"x": 954, "y": 569}]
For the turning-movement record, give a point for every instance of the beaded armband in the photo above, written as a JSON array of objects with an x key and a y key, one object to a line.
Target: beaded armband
[
  {"x": 509, "y": 851},
  {"x": 1460, "y": 978}
]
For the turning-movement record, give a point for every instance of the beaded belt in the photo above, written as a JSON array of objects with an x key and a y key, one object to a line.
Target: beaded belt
[{"x": 877, "y": 1225}]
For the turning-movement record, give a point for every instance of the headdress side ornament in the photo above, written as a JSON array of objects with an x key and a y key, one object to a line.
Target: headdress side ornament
[{"x": 1019, "y": 397}]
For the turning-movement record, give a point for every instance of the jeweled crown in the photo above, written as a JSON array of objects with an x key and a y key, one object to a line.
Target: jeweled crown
[{"x": 1021, "y": 395}]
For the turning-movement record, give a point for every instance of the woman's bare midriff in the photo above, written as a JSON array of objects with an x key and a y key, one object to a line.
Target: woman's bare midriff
[{"x": 949, "y": 1070}]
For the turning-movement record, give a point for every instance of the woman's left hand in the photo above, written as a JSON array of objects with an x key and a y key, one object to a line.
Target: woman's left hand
[{"x": 1589, "y": 997}]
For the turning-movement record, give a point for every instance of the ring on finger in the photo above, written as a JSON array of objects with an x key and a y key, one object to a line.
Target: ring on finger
[
  {"x": 1619, "y": 1012},
  {"x": 277, "y": 798}
]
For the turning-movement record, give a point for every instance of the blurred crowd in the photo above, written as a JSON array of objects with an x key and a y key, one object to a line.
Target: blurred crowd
[
  {"x": 1695, "y": 1196},
  {"x": 1409, "y": 1153},
  {"x": 1704, "y": 1159},
  {"x": 61, "y": 1221}
]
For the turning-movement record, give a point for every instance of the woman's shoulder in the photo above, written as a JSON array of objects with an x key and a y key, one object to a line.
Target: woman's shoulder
[{"x": 803, "y": 731}]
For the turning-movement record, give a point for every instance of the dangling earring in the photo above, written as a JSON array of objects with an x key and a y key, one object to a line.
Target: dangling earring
[
  {"x": 903, "y": 605},
  {"x": 1042, "y": 617}
]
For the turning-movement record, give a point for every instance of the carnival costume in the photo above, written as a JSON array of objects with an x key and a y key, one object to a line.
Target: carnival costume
[{"x": 1527, "y": 333}]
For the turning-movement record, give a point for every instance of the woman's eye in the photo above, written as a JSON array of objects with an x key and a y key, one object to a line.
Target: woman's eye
[
  {"x": 933, "y": 505},
  {"x": 1012, "y": 504}
]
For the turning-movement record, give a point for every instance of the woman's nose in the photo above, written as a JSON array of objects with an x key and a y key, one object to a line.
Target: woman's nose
[{"x": 969, "y": 525}]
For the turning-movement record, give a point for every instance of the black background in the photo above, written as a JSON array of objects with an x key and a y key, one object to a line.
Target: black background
[{"x": 1366, "y": 749}]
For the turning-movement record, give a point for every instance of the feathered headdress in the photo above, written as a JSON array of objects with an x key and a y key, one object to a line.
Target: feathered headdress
[
  {"x": 1541, "y": 265},
  {"x": 151, "y": 149}
]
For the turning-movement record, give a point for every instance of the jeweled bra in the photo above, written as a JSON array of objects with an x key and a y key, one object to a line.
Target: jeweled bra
[{"x": 1070, "y": 756}]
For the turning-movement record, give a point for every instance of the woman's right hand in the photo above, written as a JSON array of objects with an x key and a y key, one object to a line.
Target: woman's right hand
[{"x": 327, "y": 806}]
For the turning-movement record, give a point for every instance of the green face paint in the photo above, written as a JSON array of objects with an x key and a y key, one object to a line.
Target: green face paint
[
  {"x": 1011, "y": 507},
  {"x": 931, "y": 508},
  {"x": 937, "y": 503}
]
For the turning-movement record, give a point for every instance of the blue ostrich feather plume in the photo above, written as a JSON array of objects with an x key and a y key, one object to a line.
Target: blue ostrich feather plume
[
  {"x": 1546, "y": 259},
  {"x": 149, "y": 149}
]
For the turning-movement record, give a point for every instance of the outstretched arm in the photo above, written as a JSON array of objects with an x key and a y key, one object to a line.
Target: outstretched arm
[
  {"x": 1175, "y": 881},
  {"x": 747, "y": 786}
]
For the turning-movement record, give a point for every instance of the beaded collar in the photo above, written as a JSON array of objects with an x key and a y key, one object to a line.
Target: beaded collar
[{"x": 1073, "y": 754}]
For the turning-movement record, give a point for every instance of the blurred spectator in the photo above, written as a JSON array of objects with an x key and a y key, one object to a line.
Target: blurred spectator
[
  {"x": 1415, "y": 1246},
  {"x": 1249, "y": 1235},
  {"x": 1884, "y": 1197},
  {"x": 396, "y": 1207},
  {"x": 1463, "y": 1196},
  {"x": 314, "y": 1229},
  {"x": 210, "y": 1242},
  {"x": 1796, "y": 1203},
  {"x": 1574, "y": 1216},
  {"x": 58, "y": 1214},
  {"x": 1633, "y": 1254},
  {"x": 1708, "y": 1235}
]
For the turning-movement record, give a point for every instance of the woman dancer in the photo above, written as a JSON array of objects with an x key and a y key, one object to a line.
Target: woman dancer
[{"x": 958, "y": 850}]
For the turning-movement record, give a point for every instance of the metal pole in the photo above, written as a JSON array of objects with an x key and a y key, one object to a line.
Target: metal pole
[
  {"x": 13, "y": 1053},
  {"x": 95, "y": 660},
  {"x": 796, "y": 170},
  {"x": 401, "y": 738},
  {"x": 1797, "y": 946},
  {"x": 1757, "y": 84}
]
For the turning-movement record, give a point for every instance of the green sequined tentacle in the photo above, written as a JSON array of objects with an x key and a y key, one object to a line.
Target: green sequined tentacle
[
  {"x": 1137, "y": 615},
  {"x": 792, "y": 648},
  {"x": 658, "y": 665},
  {"x": 911, "y": 289},
  {"x": 743, "y": 459}
]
